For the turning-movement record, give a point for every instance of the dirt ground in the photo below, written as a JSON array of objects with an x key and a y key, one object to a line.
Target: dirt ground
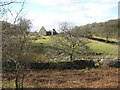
[{"x": 95, "y": 78}]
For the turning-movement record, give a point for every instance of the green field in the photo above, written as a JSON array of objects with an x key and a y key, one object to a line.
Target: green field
[
  {"x": 101, "y": 47},
  {"x": 96, "y": 46},
  {"x": 43, "y": 40}
]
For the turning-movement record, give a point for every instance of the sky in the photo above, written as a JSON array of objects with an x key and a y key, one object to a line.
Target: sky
[{"x": 50, "y": 13}]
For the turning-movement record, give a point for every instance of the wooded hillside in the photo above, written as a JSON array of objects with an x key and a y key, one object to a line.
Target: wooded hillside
[{"x": 108, "y": 29}]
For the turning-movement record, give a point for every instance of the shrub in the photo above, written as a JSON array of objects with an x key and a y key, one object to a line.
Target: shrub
[{"x": 114, "y": 63}]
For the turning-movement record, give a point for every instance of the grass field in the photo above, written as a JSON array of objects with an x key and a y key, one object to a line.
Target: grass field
[
  {"x": 45, "y": 40},
  {"x": 101, "y": 47},
  {"x": 96, "y": 46},
  {"x": 106, "y": 50}
]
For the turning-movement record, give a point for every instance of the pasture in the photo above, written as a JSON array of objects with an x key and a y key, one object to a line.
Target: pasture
[
  {"x": 96, "y": 46},
  {"x": 102, "y": 47},
  {"x": 106, "y": 50}
]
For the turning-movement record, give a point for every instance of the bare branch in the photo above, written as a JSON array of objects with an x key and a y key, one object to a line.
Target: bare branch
[
  {"x": 19, "y": 12},
  {"x": 7, "y": 3}
]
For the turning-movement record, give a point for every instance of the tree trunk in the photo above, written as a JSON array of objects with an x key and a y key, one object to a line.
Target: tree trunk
[
  {"x": 71, "y": 57},
  {"x": 22, "y": 80},
  {"x": 16, "y": 82}
]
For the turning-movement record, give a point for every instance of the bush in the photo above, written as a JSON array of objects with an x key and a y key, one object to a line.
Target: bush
[
  {"x": 115, "y": 64},
  {"x": 82, "y": 64},
  {"x": 78, "y": 64},
  {"x": 8, "y": 66}
]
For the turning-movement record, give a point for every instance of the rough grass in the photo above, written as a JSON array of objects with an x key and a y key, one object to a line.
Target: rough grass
[
  {"x": 109, "y": 50},
  {"x": 95, "y": 78},
  {"x": 8, "y": 84},
  {"x": 43, "y": 40},
  {"x": 96, "y": 46},
  {"x": 11, "y": 84},
  {"x": 101, "y": 47}
]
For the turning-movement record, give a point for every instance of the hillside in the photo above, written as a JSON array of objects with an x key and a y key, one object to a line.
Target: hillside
[{"x": 108, "y": 29}]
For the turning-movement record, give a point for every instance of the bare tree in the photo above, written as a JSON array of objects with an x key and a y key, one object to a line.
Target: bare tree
[
  {"x": 16, "y": 44},
  {"x": 6, "y": 9},
  {"x": 68, "y": 42},
  {"x": 17, "y": 49}
]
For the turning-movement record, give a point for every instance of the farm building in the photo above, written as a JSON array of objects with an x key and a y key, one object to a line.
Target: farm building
[{"x": 43, "y": 32}]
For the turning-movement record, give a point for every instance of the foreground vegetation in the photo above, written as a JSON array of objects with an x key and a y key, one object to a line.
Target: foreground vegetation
[{"x": 93, "y": 78}]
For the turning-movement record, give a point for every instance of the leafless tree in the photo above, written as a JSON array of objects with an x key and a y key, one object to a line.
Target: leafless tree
[
  {"x": 69, "y": 42},
  {"x": 17, "y": 49},
  {"x": 16, "y": 44}
]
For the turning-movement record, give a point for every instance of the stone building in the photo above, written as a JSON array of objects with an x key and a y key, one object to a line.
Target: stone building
[{"x": 43, "y": 32}]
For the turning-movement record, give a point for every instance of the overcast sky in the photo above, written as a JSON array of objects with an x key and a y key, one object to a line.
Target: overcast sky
[{"x": 49, "y": 13}]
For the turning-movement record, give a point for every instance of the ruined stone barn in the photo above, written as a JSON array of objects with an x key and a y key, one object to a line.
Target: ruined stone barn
[{"x": 43, "y": 32}]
